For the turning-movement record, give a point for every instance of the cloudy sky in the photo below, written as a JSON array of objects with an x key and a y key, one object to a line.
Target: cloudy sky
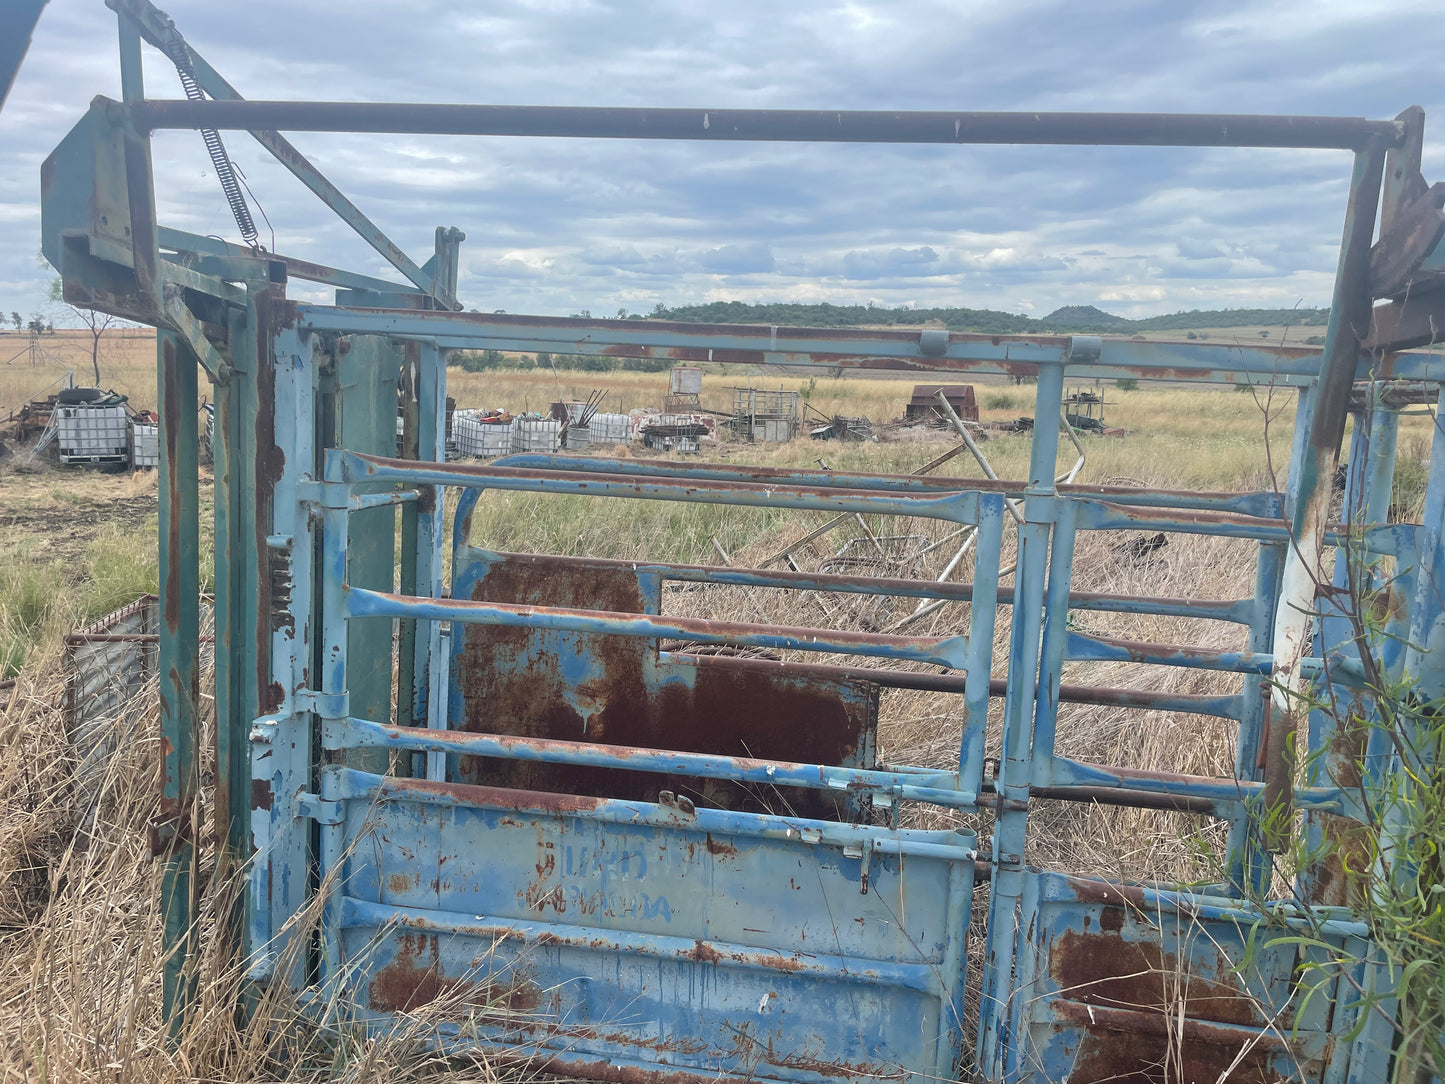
[{"x": 558, "y": 226}]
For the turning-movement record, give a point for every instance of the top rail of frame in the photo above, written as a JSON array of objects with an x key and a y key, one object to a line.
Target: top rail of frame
[{"x": 781, "y": 125}]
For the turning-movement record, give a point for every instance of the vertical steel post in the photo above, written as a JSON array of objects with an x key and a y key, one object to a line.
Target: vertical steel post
[
  {"x": 1349, "y": 323},
  {"x": 333, "y": 705},
  {"x": 431, "y": 532},
  {"x": 174, "y": 835},
  {"x": 1247, "y": 863},
  {"x": 281, "y": 739},
  {"x": 997, "y": 1053},
  {"x": 1055, "y": 638},
  {"x": 982, "y": 617}
]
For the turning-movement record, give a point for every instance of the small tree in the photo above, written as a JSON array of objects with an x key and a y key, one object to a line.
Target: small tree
[
  {"x": 15, "y": 319},
  {"x": 93, "y": 320}
]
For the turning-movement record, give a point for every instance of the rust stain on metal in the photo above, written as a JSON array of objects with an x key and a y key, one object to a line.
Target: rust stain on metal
[
  {"x": 1130, "y": 1057},
  {"x": 415, "y": 978},
  {"x": 718, "y": 847},
  {"x": 512, "y": 682},
  {"x": 1105, "y": 969},
  {"x": 261, "y": 796},
  {"x": 704, "y": 953}
]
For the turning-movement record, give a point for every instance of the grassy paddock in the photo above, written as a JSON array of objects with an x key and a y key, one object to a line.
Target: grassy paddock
[{"x": 79, "y": 942}]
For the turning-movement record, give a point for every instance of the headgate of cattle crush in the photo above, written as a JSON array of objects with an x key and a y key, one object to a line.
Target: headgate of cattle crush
[{"x": 533, "y": 806}]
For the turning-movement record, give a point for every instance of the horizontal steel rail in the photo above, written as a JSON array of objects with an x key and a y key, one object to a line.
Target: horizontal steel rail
[
  {"x": 340, "y": 784},
  {"x": 1333, "y": 921},
  {"x": 1262, "y": 504},
  {"x": 917, "y": 785},
  {"x": 788, "y": 125},
  {"x": 364, "y": 914},
  {"x": 925, "y": 351},
  {"x": 957, "y": 507},
  {"x": 1379, "y": 539},
  {"x": 950, "y": 651},
  {"x": 1238, "y": 611},
  {"x": 1082, "y": 648},
  {"x": 1064, "y": 771}
]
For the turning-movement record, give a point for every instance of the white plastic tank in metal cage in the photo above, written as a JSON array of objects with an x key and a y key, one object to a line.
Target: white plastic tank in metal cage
[
  {"x": 611, "y": 428},
  {"x": 536, "y": 435},
  {"x": 145, "y": 446},
  {"x": 92, "y": 434}
]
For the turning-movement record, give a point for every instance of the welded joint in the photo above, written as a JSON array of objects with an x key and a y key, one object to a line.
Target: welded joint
[
  {"x": 319, "y": 809},
  {"x": 176, "y": 310},
  {"x": 326, "y": 705},
  {"x": 263, "y": 730}
]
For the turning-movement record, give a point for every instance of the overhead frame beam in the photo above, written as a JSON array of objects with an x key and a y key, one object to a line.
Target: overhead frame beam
[
  {"x": 928, "y": 351},
  {"x": 157, "y": 29},
  {"x": 791, "y": 125}
]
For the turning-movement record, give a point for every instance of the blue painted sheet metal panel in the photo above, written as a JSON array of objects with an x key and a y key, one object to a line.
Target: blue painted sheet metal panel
[
  {"x": 685, "y": 948},
  {"x": 1115, "y": 979}
]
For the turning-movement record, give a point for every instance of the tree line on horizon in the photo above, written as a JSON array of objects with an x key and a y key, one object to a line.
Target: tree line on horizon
[{"x": 1071, "y": 318}]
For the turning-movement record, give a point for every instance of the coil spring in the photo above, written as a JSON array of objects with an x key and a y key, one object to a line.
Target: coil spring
[{"x": 181, "y": 57}]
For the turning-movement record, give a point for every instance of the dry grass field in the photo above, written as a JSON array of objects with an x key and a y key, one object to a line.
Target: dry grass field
[{"x": 79, "y": 940}]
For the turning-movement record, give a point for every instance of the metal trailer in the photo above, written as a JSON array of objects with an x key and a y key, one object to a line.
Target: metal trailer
[{"x": 533, "y": 856}]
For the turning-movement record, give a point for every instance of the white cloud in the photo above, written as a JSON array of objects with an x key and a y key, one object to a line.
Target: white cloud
[{"x": 558, "y": 225}]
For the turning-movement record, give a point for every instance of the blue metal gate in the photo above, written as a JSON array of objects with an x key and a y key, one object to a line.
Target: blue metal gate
[{"x": 577, "y": 830}]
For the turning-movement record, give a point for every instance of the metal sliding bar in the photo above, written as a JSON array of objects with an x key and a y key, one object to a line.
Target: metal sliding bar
[
  {"x": 1262, "y": 505},
  {"x": 918, "y": 842},
  {"x": 1204, "y": 609},
  {"x": 1066, "y": 772},
  {"x": 921, "y": 785},
  {"x": 947, "y": 651},
  {"x": 382, "y": 500},
  {"x": 791, "y": 125},
  {"x": 1081, "y": 648},
  {"x": 365, "y": 914},
  {"x": 958, "y": 507}
]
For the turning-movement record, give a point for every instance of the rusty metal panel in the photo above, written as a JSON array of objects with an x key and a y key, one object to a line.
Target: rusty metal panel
[
  {"x": 620, "y": 690},
  {"x": 640, "y": 951},
  {"x": 1120, "y": 984}
]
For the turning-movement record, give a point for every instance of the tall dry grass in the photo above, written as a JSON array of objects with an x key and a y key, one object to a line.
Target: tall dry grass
[{"x": 81, "y": 954}]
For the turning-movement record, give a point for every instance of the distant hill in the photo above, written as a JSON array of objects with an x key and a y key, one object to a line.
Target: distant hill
[{"x": 1083, "y": 319}]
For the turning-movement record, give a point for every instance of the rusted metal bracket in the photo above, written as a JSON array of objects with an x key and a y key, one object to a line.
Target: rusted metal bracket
[
  {"x": 1412, "y": 235},
  {"x": 171, "y": 830}
]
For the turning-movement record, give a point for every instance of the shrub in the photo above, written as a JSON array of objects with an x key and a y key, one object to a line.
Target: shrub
[
  {"x": 1000, "y": 400},
  {"x": 1127, "y": 383}
]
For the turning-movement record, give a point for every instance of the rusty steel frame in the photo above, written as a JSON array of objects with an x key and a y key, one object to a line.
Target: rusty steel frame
[{"x": 303, "y": 500}]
